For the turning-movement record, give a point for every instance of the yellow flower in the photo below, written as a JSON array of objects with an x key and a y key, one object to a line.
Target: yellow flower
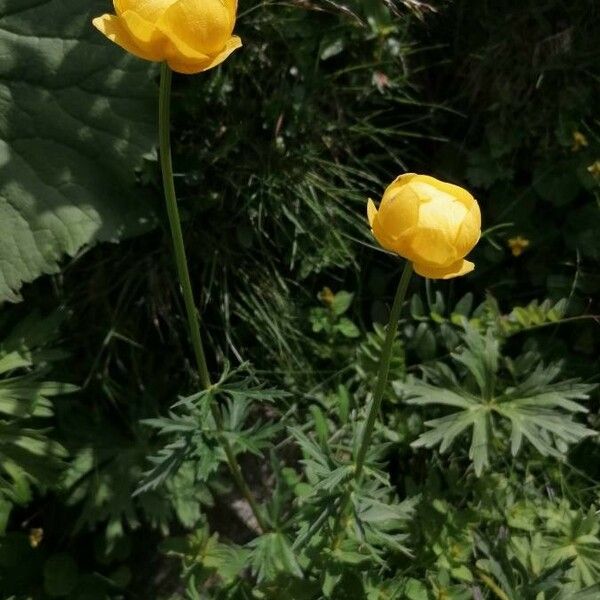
[
  {"x": 36, "y": 536},
  {"x": 518, "y": 245},
  {"x": 594, "y": 169},
  {"x": 326, "y": 296},
  {"x": 429, "y": 222},
  {"x": 579, "y": 141},
  {"x": 190, "y": 35}
]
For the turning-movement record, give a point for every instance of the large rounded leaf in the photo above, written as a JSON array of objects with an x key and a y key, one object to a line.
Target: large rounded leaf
[{"x": 76, "y": 116}]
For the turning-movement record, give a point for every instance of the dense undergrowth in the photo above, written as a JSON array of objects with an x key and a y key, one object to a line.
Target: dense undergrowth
[{"x": 483, "y": 481}]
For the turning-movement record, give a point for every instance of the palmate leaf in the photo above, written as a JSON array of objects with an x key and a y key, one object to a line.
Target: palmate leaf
[
  {"x": 325, "y": 473},
  {"x": 26, "y": 396},
  {"x": 538, "y": 409},
  {"x": 192, "y": 435},
  {"x": 272, "y": 555},
  {"x": 28, "y": 455},
  {"x": 382, "y": 521},
  {"x": 502, "y": 569},
  {"x": 77, "y": 117},
  {"x": 574, "y": 537},
  {"x": 206, "y": 557}
]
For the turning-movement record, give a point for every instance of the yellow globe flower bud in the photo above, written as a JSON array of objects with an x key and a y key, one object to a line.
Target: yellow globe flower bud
[
  {"x": 429, "y": 222},
  {"x": 190, "y": 35}
]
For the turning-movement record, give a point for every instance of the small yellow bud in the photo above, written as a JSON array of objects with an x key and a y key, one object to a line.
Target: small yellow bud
[
  {"x": 518, "y": 245},
  {"x": 36, "y": 535},
  {"x": 579, "y": 141},
  {"x": 594, "y": 169},
  {"x": 326, "y": 296}
]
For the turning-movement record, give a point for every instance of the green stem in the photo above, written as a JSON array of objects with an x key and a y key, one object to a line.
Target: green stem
[
  {"x": 164, "y": 125},
  {"x": 375, "y": 405},
  {"x": 384, "y": 370},
  {"x": 493, "y": 586},
  {"x": 166, "y": 163}
]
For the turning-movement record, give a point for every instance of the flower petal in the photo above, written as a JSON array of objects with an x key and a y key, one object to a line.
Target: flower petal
[
  {"x": 394, "y": 222},
  {"x": 400, "y": 181},
  {"x": 232, "y": 6},
  {"x": 150, "y": 10},
  {"x": 441, "y": 217},
  {"x": 457, "y": 269},
  {"x": 371, "y": 212},
  {"x": 469, "y": 232},
  {"x": 431, "y": 246},
  {"x": 146, "y": 35},
  {"x": 204, "y": 25},
  {"x": 455, "y": 191},
  {"x": 190, "y": 65},
  {"x": 399, "y": 209},
  {"x": 115, "y": 30}
]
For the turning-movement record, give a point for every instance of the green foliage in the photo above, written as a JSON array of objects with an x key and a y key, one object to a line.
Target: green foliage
[
  {"x": 28, "y": 456},
  {"x": 369, "y": 351},
  {"x": 502, "y": 402},
  {"x": 330, "y": 320},
  {"x": 527, "y": 83},
  {"x": 195, "y": 437},
  {"x": 332, "y": 91},
  {"x": 73, "y": 130},
  {"x": 482, "y": 477}
]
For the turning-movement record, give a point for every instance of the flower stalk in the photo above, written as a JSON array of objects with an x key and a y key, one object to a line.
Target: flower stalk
[
  {"x": 375, "y": 404},
  {"x": 384, "y": 369},
  {"x": 193, "y": 321}
]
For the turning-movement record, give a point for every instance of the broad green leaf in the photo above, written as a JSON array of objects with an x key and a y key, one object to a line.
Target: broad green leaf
[
  {"x": 341, "y": 303},
  {"x": 347, "y": 328},
  {"x": 77, "y": 116}
]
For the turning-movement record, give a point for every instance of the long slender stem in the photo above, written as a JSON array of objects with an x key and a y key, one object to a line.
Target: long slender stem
[
  {"x": 375, "y": 405},
  {"x": 166, "y": 163},
  {"x": 164, "y": 125},
  {"x": 384, "y": 369}
]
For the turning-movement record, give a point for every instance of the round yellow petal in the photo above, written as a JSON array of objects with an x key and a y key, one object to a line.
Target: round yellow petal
[
  {"x": 115, "y": 30},
  {"x": 189, "y": 66},
  {"x": 457, "y": 269},
  {"x": 400, "y": 181},
  {"x": 146, "y": 35},
  {"x": 399, "y": 209},
  {"x": 397, "y": 214},
  {"x": 469, "y": 232},
  {"x": 431, "y": 247},
  {"x": 204, "y": 25},
  {"x": 439, "y": 210},
  {"x": 150, "y": 10},
  {"x": 451, "y": 189},
  {"x": 397, "y": 244}
]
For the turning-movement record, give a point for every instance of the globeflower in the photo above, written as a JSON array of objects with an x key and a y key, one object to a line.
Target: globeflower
[
  {"x": 431, "y": 223},
  {"x": 190, "y": 35}
]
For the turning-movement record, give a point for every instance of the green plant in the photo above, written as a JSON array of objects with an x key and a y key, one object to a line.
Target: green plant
[
  {"x": 29, "y": 456},
  {"x": 128, "y": 492},
  {"x": 70, "y": 158},
  {"x": 504, "y": 403}
]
